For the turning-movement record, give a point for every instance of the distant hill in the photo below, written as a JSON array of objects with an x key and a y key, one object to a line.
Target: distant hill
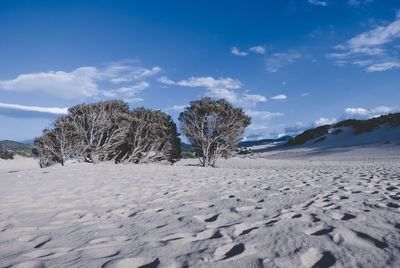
[
  {"x": 262, "y": 142},
  {"x": 351, "y": 132},
  {"x": 186, "y": 148},
  {"x": 17, "y": 147}
]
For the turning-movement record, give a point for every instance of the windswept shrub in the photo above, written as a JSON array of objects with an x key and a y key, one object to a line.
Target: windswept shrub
[
  {"x": 109, "y": 131},
  {"x": 103, "y": 127},
  {"x": 59, "y": 143},
  {"x": 151, "y": 136},
  {"x": 213, "y": 128}
]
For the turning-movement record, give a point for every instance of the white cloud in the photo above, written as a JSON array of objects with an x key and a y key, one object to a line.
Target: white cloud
[
  {"x": 81, "y": 83},
  {"x": 378, "y": 36},
  {"x": 126, "y": 93},
  {"x": 69, "y": 85},
  {"x": 237, "y": 52},
  {"x": 305, "y": 94},
  {"x": 263, "y": 114},
  {"x": 137, "y": 74},
  {"x": 317, "y": 2},
  {"x": 380, "y": 67},
  {"x": 371, "y": 49},
  {"x": 258, "y": 127},
  {"x": 280, "y": 60},
  {"x": 59, "y": 111},
  {"x": 219, "y": 88},
  {"x": 279, "y": 97},
  {"x": 208, "y": 82},
  {"x": 325, "y": 121},
  {"x": 362, "y": 62},
  {"x": 356, "y": 112},
  {"x": 362, "y": 113},
  {"x": 257, "y": 50},
  {"x": 176, "y": 108}
]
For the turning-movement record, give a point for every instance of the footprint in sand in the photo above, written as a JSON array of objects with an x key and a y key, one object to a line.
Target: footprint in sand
[
  {"x": 185, "y": 237},
  {"x": 132, "y": 262},
  {"x": 99, "y": 252},
  {"x": 109, "y": 239},
  {"x": 229, "y": 251},
  {"x": 315, "y": 257},
  {"x": 393, "y": 205},
  {"x": 320, "y": 230},
  {"x": 208, "y": 217},
  {"x": 245, "y": 228},
  {"x": 29, "y": 264},
  {"x": 208, "y": 234},
  {"x": 40, "y": 241},
  {"x": 39, "y": 253},
  {"x": 342, "y": 216},
  {"x": 271, "y": 223},
  {"x": 376, "y": 242}
]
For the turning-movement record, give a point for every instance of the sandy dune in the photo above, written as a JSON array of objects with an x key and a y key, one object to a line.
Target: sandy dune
[{"x": 281, "y": 209}]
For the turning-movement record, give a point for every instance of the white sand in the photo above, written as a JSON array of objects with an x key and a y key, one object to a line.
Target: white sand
[{"x": 298, "y": 208}]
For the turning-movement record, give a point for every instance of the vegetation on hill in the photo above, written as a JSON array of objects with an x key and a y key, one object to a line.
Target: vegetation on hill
[
  {"x": 360, "y": 126},
  {"x": 6, "y": 154},
  {"x": 263, "y": 141},
  {"x": 17, "y": 147},
  {"x": 308, "y": 135}
]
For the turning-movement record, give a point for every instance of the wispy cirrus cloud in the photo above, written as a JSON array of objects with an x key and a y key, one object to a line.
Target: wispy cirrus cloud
[
  {"x": 219, "y": 88},
  {"x": 357, "y": 3},
  {"x": 318, "y": 3},
  {"x": 372, "y": 49},
  {"x": 123, "y": 80},
  {"x": 380, "y": 67},
  {"x": 175, "y": 108},
  {"x": 263, "y": 114},
  {"x": 280, "y": 60},
  {"x": 22, "y": 111}
]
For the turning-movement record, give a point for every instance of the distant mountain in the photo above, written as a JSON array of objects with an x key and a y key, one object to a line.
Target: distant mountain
[
  {"x": 262, "y": 142},
  {"x": 186, "y": 148},
  {"x": 17, "y": 147},
  {"x": 351, "y": 132},
  {"x": 27, "y": 141}
]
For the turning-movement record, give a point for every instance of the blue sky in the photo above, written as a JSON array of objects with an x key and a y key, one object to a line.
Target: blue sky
[{"x": 290, "y": 64}]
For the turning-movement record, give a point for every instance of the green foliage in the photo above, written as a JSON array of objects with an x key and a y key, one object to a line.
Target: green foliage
[
  {"x": 109, "y": 131},
  {"x": 17, "y": 148},
  {"x": 6, "y": 154},
  {"x": 152, "y": 135},
  {"x": 360, "y": 126},
  {"x": 187, "y": 155},
  {"x": 213, "y": 128},
  {"x": 308, "y": 135}
]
